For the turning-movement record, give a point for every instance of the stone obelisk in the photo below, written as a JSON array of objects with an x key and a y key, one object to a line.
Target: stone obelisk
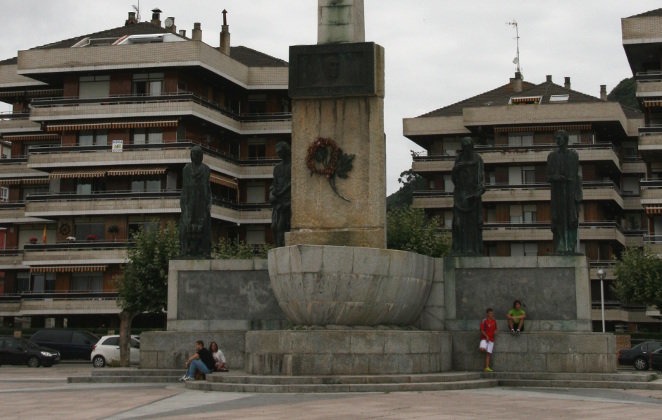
[{"x": 338, "y": 142}]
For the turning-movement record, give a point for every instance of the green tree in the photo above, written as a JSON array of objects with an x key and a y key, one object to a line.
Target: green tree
[
  {"x": 639, "y": 277},
  {"x": 410, "y": 230},
  {"x": 625, "y": 93},
  {"x": 410, "y": 181},
  {"x": 227, "y": 249},
  {"x": 143, "y": 284}
]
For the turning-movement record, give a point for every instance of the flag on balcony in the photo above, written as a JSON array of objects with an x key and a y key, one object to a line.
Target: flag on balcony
[{"x": 43, "y": 236}]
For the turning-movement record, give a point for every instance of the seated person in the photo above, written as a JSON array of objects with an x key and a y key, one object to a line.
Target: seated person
[
  {"x": 516, "y": 317},
  {"x": 219, "y": 357},
  {"x": 201, "y": 361}
]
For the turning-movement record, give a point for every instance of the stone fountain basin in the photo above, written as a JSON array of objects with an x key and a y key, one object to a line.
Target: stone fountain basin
[{"x": 350, "y": 286}]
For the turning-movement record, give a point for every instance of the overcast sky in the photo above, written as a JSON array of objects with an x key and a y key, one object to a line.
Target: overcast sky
[{"x": 437, "y": 51}]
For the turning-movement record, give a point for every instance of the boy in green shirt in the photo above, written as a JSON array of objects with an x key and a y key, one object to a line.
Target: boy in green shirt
[{"x": 516, "y": 318}]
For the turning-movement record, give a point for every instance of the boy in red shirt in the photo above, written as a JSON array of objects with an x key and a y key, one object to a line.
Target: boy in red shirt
[{"x": 488, "y": 329}]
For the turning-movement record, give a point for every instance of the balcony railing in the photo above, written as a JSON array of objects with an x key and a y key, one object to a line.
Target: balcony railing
[
  {"x": 546, "y": 225},
  {"x": 535, "y": 186},
  {"x": 180, "y": 144},
  {"x": 10, "y": 252},
  {"x": 649, "y": 76},
  {"x": 240, "y": 206},
  {"x": 149, "y": 99},
  {"x": 79, "y": 245},
  {"x": 653, "y": 239},
  {"x": 7, "y": 205},
  {"x": 423, "y": 156},
  {"x": 14, "y": 116},
  {"x": 103, "y": 195},
  {"x": 73, "y": 295},
  {"x": 650, "y": 130}
]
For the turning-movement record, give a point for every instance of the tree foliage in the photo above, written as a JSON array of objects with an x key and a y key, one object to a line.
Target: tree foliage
[
  {"x": 410, "y": 230},
  {"x": 227, "y": 249},
  {"x": 410, "y": 181},
  {"x": 639, "y": 277},
  {"x": 625, "y": 93},
  {"x": 143, "y": 284}
]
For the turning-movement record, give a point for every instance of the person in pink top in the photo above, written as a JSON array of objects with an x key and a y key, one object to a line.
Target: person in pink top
[{"x": 488, "y": 329}]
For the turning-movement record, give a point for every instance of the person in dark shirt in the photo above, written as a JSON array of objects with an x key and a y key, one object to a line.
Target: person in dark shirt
[{"x": 202, "y": 360}]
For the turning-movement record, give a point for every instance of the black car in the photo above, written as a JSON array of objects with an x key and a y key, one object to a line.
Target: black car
[
  {"x": 639, "y": 355},
  {"x": 19, "y": 351},
  {"x": 72, "y": 344},
  {"x": 656, "y": 359}
]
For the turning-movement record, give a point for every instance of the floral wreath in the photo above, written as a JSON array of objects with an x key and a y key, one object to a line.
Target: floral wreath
[{"x": 325, "y": 158}]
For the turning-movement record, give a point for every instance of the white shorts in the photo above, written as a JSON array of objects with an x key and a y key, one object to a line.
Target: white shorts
[{"x": 487, "y": 345}]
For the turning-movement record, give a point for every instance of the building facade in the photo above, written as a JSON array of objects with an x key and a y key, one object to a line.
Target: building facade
[
  {"x": 100, "y": 129},
  {"x": 513, "y": 127}
]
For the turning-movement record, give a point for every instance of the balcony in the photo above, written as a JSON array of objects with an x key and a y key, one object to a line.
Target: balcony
[
  {"x": 649, "y": 84},
  {"x": 11, "y": 123},
  {"x": 520, "y": 232},
  {"x": 152, "y": 154},
  {"x": 54, "y": 303},
  {"x": 651, "y": 192},
  {"x": 241, "y": 213},
  {"x": 11, "y": 259},
  {"x": 650, "y": 138},
  {"x": 88, "y": 252},
  {"x": 520, "y": 155},
  {"x": 654, "y": 242},
  {"x": 13, "y": 212},
  {"x": 173, "y": 104}
]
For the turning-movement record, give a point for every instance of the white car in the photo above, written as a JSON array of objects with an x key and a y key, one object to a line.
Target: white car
[{"x": 107, "y": 350}]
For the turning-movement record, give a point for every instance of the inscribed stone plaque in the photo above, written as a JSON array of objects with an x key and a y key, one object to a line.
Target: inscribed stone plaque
[
  {"x": 333, "y": 70},
  {"x": 548, "y": 294}
]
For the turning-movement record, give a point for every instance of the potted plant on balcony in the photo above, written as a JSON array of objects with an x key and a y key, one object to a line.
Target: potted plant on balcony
[
  {"x": 92, "y": 237},
  {"x": 113, "y": 230},
  {"x": 33, "y": 240}
]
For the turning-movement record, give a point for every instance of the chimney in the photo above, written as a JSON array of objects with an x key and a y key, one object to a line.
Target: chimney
[
  {"x": 196, "y": 34},
  {"x": 156, "y": 17},
  {"x": 225, "y": 35},
  {"x": 549, "y": 77},
  {"x": 603, "y": 92},
  {"x": 182, "y": 33},
  {"x": 516, "y": 82},
  {"x": 567, "y": 83},
  {"x": 131, "y": 20}
]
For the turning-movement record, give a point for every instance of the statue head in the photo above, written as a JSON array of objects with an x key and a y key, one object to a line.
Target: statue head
[
  {"x": 196, "y": 155},
  {"x": 561, "y": 138},
  {"x": 283, "y": 150},
  {"x": 467, "y": 145}
]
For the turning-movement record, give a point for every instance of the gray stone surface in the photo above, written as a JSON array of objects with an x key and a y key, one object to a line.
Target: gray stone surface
[
  {"x": 538, "y": 352},
  {"x": 347, "y": 352},
  {"x": 221, "y": 295},
  {"x": 350, "y": 286},
  {"x": 171, "y": 349},
  {"x": 340, "y": 21},
  {"x": 554, "y": 292}
]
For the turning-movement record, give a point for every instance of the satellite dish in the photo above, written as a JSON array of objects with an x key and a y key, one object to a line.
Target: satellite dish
[{"x": 169, "y": 22}]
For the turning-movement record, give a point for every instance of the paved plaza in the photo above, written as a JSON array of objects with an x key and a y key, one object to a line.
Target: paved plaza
[{"x": 43, "y": 393}]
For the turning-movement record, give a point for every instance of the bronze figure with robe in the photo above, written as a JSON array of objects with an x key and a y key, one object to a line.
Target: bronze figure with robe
[
  {"x": 195, "y": 203},
  {"x": 468, "y": 176},
  {"x": 280, "y": 195}
]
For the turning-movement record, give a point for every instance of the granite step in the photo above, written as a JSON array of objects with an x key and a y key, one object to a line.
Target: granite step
[
  {"x": 545, "y": 376},
  {"x": 138, "y": 372},
  {"x": 334, "y": 388},
  {"x": 539, "y": 383},
  {"x": 341, "y": 379},
  {"x": 115, "y": 379}
]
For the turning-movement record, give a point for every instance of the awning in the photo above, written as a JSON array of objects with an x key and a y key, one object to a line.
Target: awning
[
  {"x": 136, "y": 171},
  {"x": 77, "y": 174},
  {"x": 24, "y": 181},
  {"x": 653, "y": 209},
  {"x": 652, "y": 103},
  {"x": 542, "y": 128},
  {"x": 526, "y": 100},
  {"x": 223, "y": 181},
  {"x": 68, "y": 269},
  {"x": 31, "y": 137},
  {"x": 111, "y": 125}
]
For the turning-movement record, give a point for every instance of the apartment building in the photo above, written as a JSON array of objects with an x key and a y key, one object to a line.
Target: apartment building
[
  {"x": 100, "y": 129},
  {"x": 513, "y": 127},
  {"x": 642, "y": 41}
]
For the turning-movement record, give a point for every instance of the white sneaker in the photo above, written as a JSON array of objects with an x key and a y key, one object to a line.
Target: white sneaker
[
  {"x": 188, "y": 378},
  {"x": 183, "y": 378}
]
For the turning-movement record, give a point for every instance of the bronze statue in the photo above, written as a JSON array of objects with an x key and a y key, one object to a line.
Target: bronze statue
[
  {"x": 280, "y": 195},
  {"x": 469, "y": 179},
  {"x": 195, "y": 202},
  {"x": 566, "y": 186}
]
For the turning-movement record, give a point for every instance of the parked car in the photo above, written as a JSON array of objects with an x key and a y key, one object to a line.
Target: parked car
[
  {"x": 72, "y": 344},
  {"x": 656, "y": 359},
  {"x": 107, "y": 350},
  {"x": 19, "y": 351},
  {"x": 639, "y": 355}
]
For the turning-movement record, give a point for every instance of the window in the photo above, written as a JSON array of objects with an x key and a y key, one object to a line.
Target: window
[
  {"x": 43, "y": 282},
  {"x": 574, "y": 138},
  {"x": 148, "y": 136},
  {"x": 4, "y": 194},
  {"x": 87, "y": 282},
  {"x": 135, "y": 226},
  {"x": 111, "y": 341},
  {"x": 518, "y": 140},
  {"x": 83, "y": 188},
  {"x": 448, "y": 184},
  {"x": 516, "y": 214},
  {"x": 146, "y": 185},
  {"x": 257, "y": 151},
  {"x": 255, "y": 235},
  {"x": 93, "y": 138},
  {"x": 85, "y": 229},
  {"x": 255, "y": 192},
  {"x": 23, "y": 282},
  {"x": 529, "y": 213},
  {"x": 525, "y": 249},
  {"x": 257, "y": 104},
  {"x": 94, "y": 86},
  {"x": 148, "y": 84},
  {"x": 528, "y": 175},
  {"x": 559, "y": 98}
]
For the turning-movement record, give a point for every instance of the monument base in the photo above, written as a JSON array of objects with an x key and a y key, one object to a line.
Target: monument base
[
  {"x": 366, "y": 238},
  {"x": 347, "y": 352}
]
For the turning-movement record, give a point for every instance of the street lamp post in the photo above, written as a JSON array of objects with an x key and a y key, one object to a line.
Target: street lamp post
[{"x": 602, "y": 273}]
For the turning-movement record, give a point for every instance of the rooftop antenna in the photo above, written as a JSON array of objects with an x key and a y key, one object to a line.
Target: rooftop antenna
[
  {"x": 137, "y": 9},
  {"x": 513, "y": 23}
]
